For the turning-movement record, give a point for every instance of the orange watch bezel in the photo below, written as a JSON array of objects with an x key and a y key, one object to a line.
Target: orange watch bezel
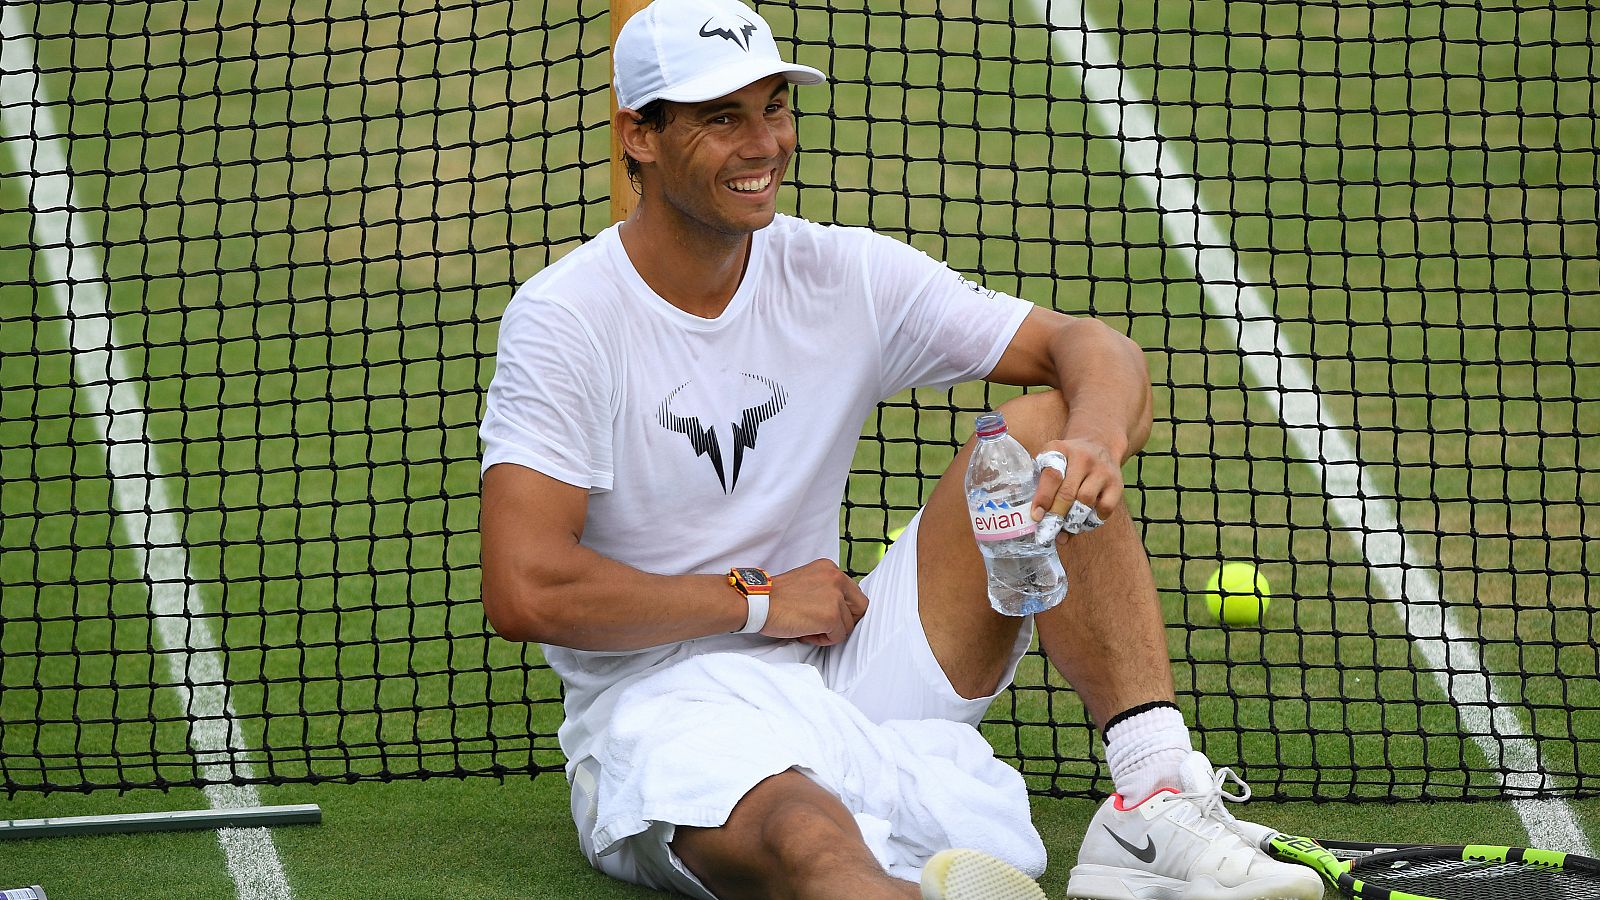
[{"x": 737, "y": 578}]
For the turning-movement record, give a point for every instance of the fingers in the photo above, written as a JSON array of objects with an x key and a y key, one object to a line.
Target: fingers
[
  {"x": 1071, "y": 488},
  {"x": 1044, "y": 496},
  {"x": 1110, "y": 499},
  {"x": 1092, "y": 478},
  {"x": 855, "y": 600},
  {"x": 1094, "y": 491},
  {"x": 852, "y": 606},
  {"x": 816, "y": 604}
]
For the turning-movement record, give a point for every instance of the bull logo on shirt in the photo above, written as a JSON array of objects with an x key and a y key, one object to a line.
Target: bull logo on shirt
[{"x": 704, "y": 437}]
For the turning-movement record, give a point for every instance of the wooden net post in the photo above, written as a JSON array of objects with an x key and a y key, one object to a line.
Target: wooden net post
[{"x": 622, "y": 196}]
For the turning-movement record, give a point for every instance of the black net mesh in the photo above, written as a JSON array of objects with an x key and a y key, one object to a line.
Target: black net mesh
[{"x": 253, "y": 257}]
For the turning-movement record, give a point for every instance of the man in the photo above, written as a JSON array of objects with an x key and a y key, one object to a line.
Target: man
[{"x": 681, "y": 397}]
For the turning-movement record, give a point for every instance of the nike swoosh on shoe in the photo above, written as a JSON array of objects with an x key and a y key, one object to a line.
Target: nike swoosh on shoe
[{"x": 1145, "y": 854}]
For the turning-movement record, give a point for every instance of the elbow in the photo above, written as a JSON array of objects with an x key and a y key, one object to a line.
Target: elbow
[
  {"x": 517, "y": 616},
  {"x": 1128, "y": 345},
  {"x": 1144, "y": 420},
  {"x": 1142, "y": 425},
  {"x": 1140, "y": 436}
]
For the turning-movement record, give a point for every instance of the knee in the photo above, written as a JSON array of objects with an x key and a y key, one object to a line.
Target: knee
[
  {"x": 1036, "y": 419},
  {"x": 804, "y": 838},
  {"x": 773, "y": 846}
]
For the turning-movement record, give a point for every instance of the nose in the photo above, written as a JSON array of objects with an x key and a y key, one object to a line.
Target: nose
[{"x": 762, "y": 138}]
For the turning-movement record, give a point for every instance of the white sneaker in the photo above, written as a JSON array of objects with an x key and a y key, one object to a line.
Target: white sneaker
[
  {"x": 975, "y": 875},
  {"x": 1182, "y": 845}
]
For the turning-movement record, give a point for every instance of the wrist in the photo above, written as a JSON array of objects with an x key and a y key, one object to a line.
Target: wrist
[
  {"x": 755, "y": 586},
  {"x": 756, "y": 610},
  {"x": 1114, "y": 442}
]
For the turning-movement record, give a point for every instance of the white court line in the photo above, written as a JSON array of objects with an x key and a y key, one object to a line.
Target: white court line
[
  {"x": 145, "y": 506},
  {"x": 1452, "y": 655}
]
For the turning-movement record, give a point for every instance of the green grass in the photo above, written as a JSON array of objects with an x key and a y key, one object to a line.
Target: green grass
[
  {"x": 414, "y": 840},
  {"x": 310, "y": 227}
]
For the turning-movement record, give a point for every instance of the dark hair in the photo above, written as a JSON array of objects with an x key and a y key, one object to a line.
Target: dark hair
[{"x": 655, "y": 115}]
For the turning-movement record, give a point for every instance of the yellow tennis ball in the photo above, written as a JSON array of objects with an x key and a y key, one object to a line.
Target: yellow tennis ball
[
  {"x": 878, "y": 550},
  {"x": 1238, "y": 594}
]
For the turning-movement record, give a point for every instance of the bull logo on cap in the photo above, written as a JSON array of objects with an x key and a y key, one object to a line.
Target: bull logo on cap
[{"x": 739, "y": 34}]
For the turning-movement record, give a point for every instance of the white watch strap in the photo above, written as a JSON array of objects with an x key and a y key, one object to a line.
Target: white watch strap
[{"x": 759, "y": 604}]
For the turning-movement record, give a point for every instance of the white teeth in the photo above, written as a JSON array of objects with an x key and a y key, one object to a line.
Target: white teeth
[{"x": 751, "y": 185}]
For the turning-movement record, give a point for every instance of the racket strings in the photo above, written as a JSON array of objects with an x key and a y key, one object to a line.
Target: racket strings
[{"x": 1456, "y": 879}]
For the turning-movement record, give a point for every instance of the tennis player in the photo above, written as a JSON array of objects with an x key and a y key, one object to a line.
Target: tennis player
[{"x": 667, "y": 440}]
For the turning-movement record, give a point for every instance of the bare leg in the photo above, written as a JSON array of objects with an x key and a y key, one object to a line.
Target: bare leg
[
  {"x": 788, "y": 839},
  {"x": 1106, "y": 638}
]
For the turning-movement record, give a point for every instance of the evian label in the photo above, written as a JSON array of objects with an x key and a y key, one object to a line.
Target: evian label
[{"x": 996, "y": 520}]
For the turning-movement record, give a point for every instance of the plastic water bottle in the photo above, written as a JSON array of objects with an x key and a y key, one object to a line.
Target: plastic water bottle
[{"x": 1024, "y": 577}]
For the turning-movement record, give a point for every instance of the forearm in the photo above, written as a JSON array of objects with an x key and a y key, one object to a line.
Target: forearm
[
  {"x": 1105, "y": 381},
  {"x": 541, "y": 584},
  {"x": 574, "y": 597}
]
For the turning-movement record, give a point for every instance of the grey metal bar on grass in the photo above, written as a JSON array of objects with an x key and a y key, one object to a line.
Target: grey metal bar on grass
[{"x": 182, "y": 820}]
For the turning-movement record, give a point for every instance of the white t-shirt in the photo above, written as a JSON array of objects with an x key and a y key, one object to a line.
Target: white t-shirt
[{"x": 710, "y": 443}]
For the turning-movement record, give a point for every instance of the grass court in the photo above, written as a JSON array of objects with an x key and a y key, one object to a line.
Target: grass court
[{"x": 307, "y": 219}]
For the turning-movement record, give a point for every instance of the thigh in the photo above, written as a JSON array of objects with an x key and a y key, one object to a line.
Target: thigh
[{"x": 888, "y": 670}]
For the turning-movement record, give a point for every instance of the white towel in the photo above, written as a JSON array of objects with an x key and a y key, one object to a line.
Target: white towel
[{"x": 685, "y": 744}]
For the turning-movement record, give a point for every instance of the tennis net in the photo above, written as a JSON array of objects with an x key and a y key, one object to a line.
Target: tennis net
[{"x": 252, "y": 261}]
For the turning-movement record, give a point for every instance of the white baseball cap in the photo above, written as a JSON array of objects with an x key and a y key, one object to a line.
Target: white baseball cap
[{"x": 689, "y": 51}]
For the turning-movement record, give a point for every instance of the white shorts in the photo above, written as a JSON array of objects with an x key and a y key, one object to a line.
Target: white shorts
[{"x": 885, "y": 668}]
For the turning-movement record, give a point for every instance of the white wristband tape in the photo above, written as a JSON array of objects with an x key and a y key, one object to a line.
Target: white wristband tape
[{"x": 759, "y": 604}]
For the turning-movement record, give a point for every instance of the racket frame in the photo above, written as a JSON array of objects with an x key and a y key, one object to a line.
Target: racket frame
[{"x": 1334, "y": 860}]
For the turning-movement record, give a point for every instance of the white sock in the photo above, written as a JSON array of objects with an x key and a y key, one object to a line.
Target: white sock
[{"x": 1145, "y": 751}]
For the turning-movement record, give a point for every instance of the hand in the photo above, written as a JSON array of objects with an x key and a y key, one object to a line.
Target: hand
[
  {"x": 816, "y": 603},
  {"x": 1093, "y": 478}
]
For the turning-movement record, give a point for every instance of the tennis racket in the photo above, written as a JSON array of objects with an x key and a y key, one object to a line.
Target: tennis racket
[{"x": 1442, "y": 872}]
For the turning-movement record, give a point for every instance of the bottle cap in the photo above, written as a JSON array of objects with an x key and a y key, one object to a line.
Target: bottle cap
[{"x": 990, "y": 424}]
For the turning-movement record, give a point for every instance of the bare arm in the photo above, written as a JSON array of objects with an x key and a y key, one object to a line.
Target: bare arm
[
  {"x": 540, "y": 584},
  {"x": 1105, "y": 381}
]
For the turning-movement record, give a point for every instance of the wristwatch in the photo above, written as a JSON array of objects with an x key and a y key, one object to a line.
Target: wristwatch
[{"x": 756, "y": 586}]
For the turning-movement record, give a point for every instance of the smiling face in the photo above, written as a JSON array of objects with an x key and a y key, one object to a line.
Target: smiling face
[{"x": 717, "y": 165}]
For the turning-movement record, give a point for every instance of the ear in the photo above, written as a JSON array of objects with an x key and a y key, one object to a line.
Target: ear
[{"x": 636, "y": 138}]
